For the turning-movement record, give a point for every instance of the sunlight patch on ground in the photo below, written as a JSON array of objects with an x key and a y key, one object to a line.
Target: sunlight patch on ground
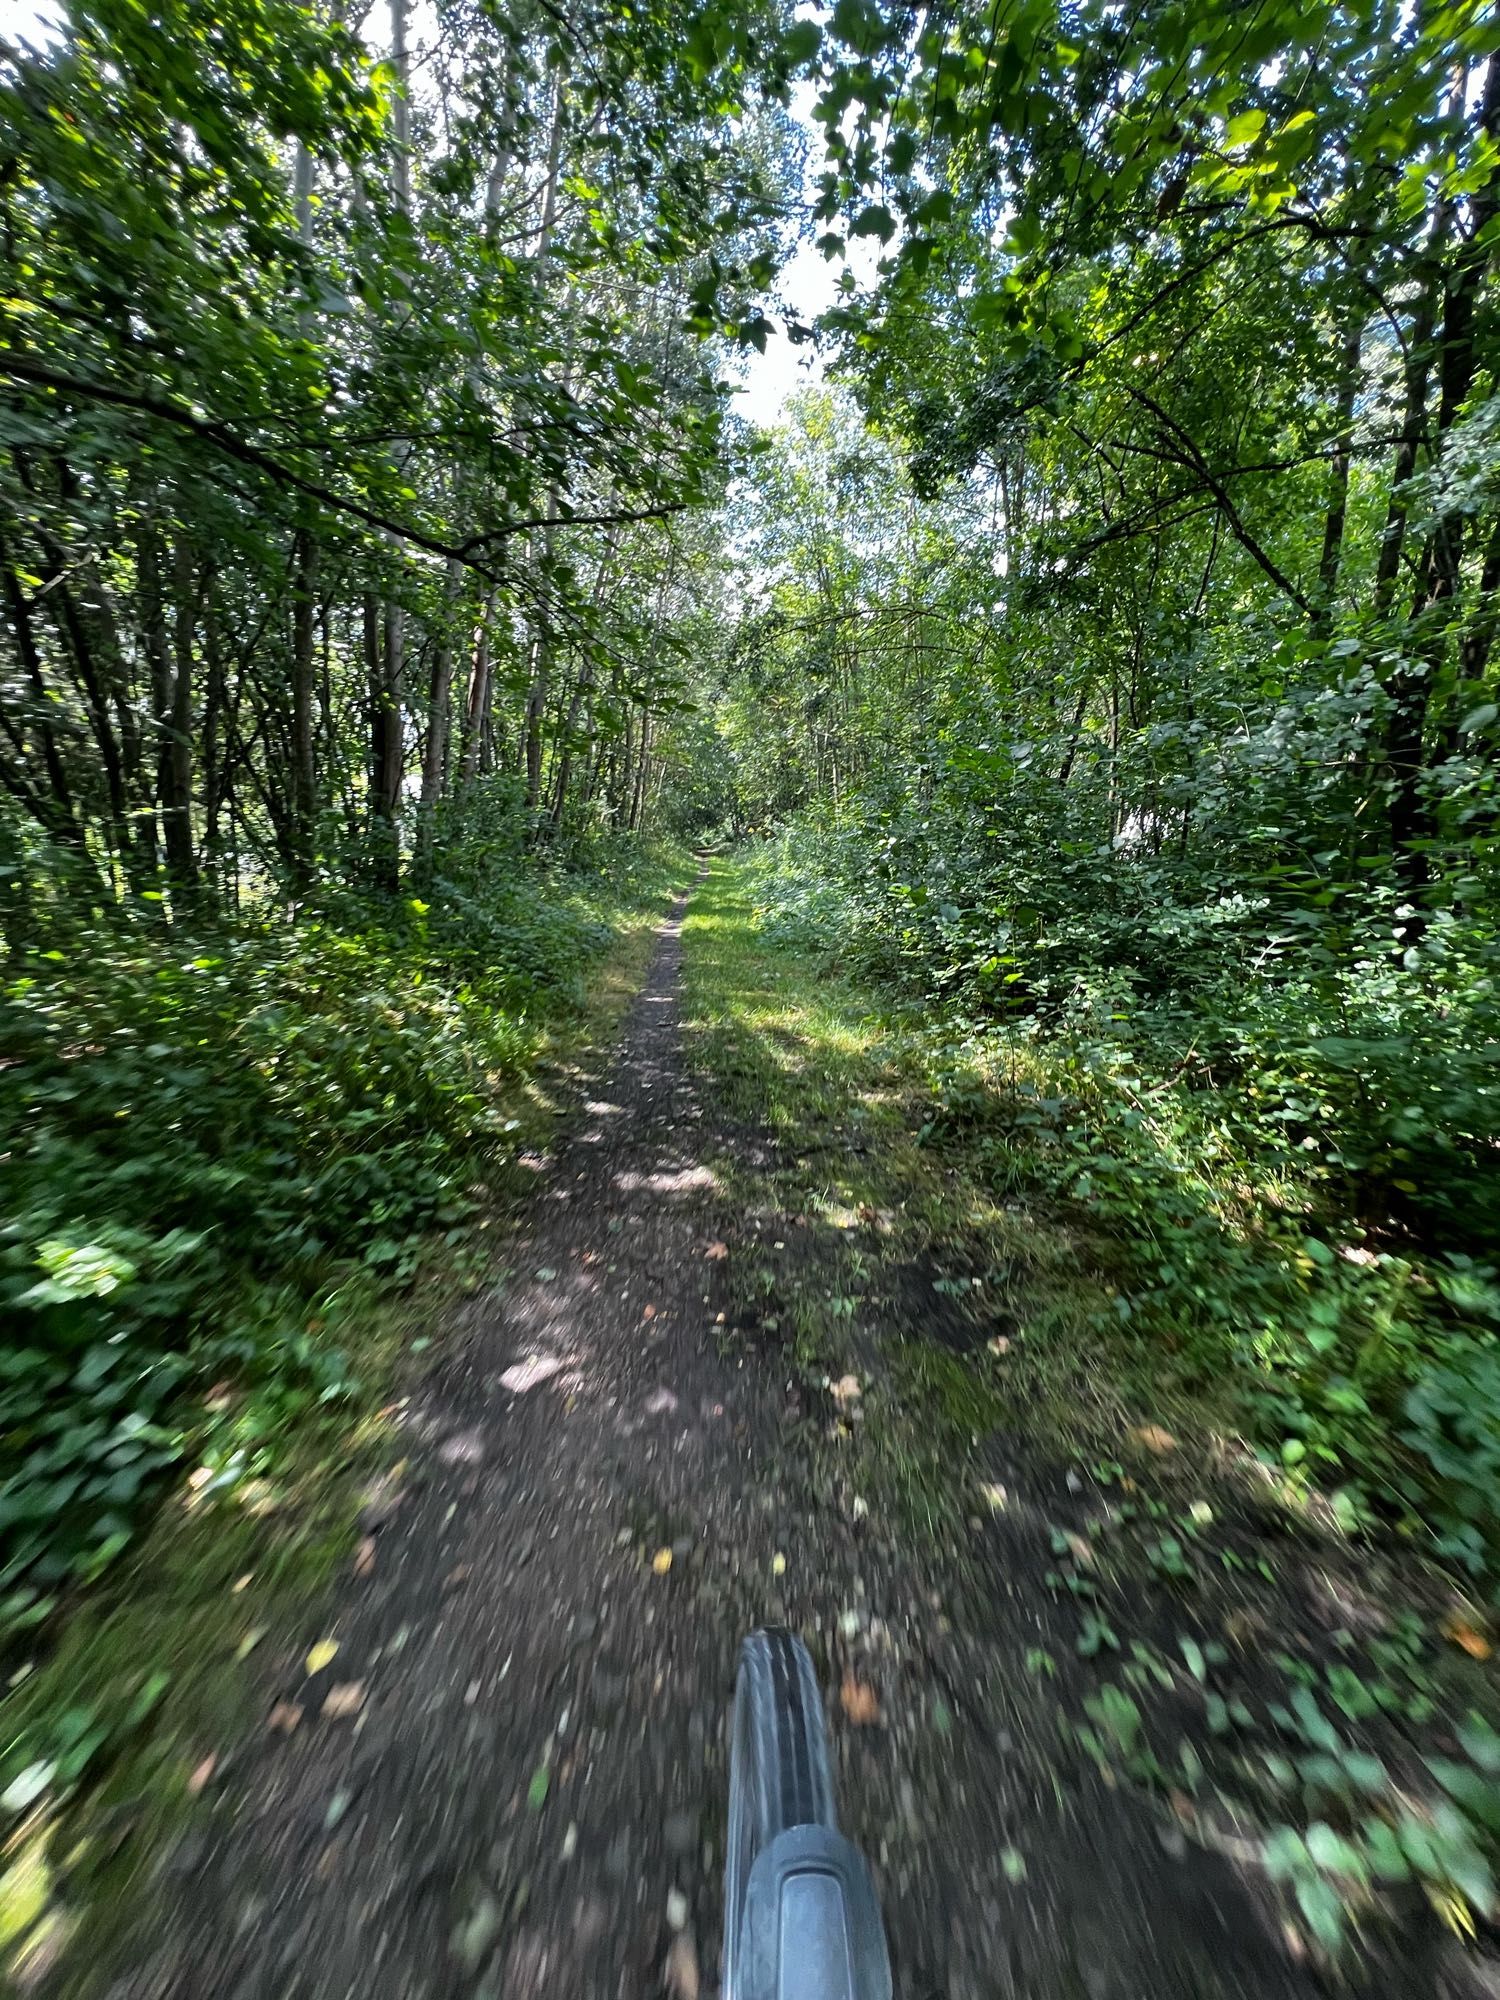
[
  {"x": 529, "y": 1374},
  {"x": 681, "y": 1180}
]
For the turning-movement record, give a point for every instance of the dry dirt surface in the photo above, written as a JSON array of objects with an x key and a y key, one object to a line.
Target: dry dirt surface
[{"x": 509, "y": 1778}]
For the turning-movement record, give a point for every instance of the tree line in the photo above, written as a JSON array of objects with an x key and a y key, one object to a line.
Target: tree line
[{"x": 354, "y": 394}]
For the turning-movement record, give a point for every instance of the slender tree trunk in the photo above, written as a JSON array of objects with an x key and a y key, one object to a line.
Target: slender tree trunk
[
  {"x": 56, "y": 812},
  {"x": 175, "y": 779},
  {"x": 479, "y": 694},
  {"x": 1338, "y": 470},
  {"x": 304, "y": 703},
  {"x": 439, "y": 721},
  {"x": 643, "y": 768},
  {"x": 536, "y": 700},
  {"x": 213, "y": 705},
  {"x": 385, "y": 724},
  {"x": 153, "y": 625}
]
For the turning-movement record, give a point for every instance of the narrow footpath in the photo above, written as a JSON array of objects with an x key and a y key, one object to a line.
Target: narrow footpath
[{"x": 508, "y": 1780}]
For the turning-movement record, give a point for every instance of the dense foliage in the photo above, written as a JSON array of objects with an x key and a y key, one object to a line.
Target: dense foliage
[
  {"x": 1121, "y": 638},
  {"x": 353, "y": 390},
  {"x": 1117, "y": 633}
]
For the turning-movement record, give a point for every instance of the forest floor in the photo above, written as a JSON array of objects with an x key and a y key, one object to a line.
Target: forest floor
[{"x": 759, "y": 1355}]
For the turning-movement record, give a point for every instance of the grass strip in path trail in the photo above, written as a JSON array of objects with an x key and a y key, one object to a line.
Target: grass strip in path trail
[
  {"x": 121, "y": 1718},
  {"x": 1147, "y": 1608}
]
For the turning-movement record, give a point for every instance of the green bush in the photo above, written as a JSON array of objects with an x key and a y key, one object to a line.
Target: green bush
[
  {"x": 1289, "y": 1130},
  {"x": 204, "y": 1125}
]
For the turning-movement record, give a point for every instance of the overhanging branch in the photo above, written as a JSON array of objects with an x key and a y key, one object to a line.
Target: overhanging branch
[{"x": 20, "y": 368}]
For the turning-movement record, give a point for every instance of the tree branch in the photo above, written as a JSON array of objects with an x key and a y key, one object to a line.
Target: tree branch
[
  {"x": 1196, "y": 462},
  {"x": 20, "y": 368}
]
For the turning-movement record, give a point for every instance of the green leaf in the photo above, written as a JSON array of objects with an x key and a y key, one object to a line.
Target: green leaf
[
  {"x": 1244, "y": 128},
  {"x": 800, "y": 44},
  {"x": 876, "y": 220}
]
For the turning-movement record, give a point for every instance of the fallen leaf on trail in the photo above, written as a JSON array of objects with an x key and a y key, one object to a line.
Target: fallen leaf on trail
[
  {"x": 992, "y": 1491},
  {"x": 321, "y": 1654},
  {"x": 546, "y": 1274},
  {"x": 457, "y": 1575},
  {"x": 536, "y": 1791},
  {"x": 347, "y": 1698},
  {"x": 243, "y": 1582},
  {"x": 661, "y": 1562},
  {"x": 778, "y": 1564},
  {"x": 648, "y": 1312},
  {"x": 846, "y": 1391},
  {"x": 1459, "y": 1632},
  {"x": 364, "y": 1557},
  {"x": 999, "y": 1345},
  {"x": 1081, "y": 1550},
  {"x": 717, "y": 1250},
  {"x": 201, "y": 1775},
  {"x": 681, "y": 1971},
  {"x": 861, "y": 1703},
  {"x": 677, "y": 1909},
  {"x": 381, "y": 1499},
  {"x": 284, "y": 1716},
  {"x": 250, "y": 1641},
  {"x": 1154, "y": 1438}
]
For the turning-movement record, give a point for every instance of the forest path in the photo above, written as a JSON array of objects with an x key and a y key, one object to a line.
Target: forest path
[{"x": 509, "y": 1779}]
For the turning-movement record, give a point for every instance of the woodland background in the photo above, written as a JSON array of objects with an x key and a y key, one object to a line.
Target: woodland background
[{"x": 1104, "y": 651}]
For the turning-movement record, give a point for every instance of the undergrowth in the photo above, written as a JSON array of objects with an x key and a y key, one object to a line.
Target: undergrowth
[
  {"x": 212, "y": 1128},
  {"x": 1289, "y": 1150},
  {"x": 948, "y": 1310}
]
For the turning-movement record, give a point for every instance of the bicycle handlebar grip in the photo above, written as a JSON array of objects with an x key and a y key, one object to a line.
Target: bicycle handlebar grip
[{"x": 811, "y": 1928}]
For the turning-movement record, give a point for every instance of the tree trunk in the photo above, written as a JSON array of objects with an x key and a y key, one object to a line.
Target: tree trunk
[
  {"x": 1338, "y": 470},
  {"x": 479, "y": 695},
  {"x": 175, "y": 777},
  {"x": 439, "y": 719},
  {"x": 304, "y": 704},
  {"x": 381, "y": 644}
]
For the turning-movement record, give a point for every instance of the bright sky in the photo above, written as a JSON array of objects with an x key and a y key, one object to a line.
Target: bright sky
[
  {"x": 20, "y": 21},
  {"x": 808, "y": 287}
]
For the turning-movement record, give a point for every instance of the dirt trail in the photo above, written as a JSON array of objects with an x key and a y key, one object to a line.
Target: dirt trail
[{"x": 525, "y": 1792}]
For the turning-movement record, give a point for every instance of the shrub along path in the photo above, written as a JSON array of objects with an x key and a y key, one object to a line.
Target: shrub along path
[{"x": 740, "y": 1375}]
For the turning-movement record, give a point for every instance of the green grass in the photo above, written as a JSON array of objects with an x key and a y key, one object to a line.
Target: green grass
[
  {"x": 859, "y": 1084},
  {"x": 838, "y": 1077}
]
